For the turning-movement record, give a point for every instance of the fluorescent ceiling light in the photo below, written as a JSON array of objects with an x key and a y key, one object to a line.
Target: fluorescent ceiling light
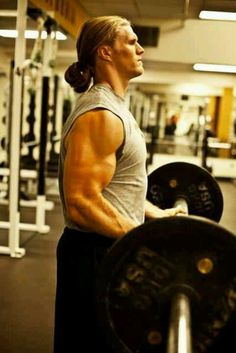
[
  {"x": 30, "y": 34},
  {"x": 218, "y": 15},
  {"x": 215, "y": 68}
]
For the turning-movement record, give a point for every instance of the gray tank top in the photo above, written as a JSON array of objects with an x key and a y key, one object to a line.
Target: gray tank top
[{"x": 128, "y": 187}]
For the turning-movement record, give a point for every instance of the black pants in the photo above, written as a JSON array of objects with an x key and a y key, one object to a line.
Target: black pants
[{"x": 78, "y": 255}]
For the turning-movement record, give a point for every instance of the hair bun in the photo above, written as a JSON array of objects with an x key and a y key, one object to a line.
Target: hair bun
[{"x": 77, "y": 79}]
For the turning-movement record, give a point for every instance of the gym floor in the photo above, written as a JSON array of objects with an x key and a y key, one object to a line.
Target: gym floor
[{"x": 28, "y": 284}]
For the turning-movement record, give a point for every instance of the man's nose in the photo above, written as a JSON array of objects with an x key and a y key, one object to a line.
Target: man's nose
[{"x": 140, "y": 49}]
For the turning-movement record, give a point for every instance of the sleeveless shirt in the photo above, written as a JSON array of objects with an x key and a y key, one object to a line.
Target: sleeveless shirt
[{"x": 127, "y": 189}]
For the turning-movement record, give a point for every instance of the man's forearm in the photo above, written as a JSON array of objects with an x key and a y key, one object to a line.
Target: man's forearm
[
  {"x": 151, "y": 211},
  {"x": 99, "y": 215}
]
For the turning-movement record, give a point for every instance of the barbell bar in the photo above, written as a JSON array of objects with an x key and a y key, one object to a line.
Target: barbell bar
[{"x": 169, "y": 285}]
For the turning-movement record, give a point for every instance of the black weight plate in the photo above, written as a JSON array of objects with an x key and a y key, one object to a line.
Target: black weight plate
[
  {"x": 142, "y": 270},
  {"x": 189, "y": 181}
]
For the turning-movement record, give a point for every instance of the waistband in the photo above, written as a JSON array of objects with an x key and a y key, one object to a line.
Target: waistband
[{"x": 87, "y": 237}]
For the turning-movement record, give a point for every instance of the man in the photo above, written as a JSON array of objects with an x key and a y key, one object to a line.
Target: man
[{"x": 102, "y": 174}]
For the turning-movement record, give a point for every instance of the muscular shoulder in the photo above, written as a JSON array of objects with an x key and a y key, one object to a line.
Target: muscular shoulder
[
  {"x": 100, "y": 117},
  {"x": 100, "y": 126}
]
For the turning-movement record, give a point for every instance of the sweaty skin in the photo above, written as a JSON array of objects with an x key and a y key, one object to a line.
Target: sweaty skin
[{"x": 93, "y": 140}]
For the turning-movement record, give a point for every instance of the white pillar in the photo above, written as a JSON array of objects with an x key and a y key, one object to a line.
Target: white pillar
[{"x": 19, "y": 59}]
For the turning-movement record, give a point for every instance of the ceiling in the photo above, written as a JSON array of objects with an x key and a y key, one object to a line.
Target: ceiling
[
  {"x": 168, "y": 15},
  {"x": 155, "y": 9}
]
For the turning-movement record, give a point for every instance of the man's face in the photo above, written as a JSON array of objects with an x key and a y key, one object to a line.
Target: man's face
[{"x": 127, "y": 54}]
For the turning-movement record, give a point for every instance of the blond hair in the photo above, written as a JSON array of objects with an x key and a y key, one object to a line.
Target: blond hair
[{"x": 94, "y": 32}]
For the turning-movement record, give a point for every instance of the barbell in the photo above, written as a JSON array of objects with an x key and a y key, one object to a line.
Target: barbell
[
  {"x": 169, "y": 285},
  {"x": 189, "y": 185}
]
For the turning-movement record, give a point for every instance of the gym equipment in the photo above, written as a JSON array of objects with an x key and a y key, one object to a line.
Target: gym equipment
[
  {"x": 28, "y": 161},
  {"x": 189, "y": 183},
  {"x": 52, "y": 164},
  {"x": 48, "y": 56},
  {"x": 66, "y": 110},
  {"x": 14, "y": 225},
  {"x": 13, "y": 247},
  {"x": 169, "y": 286}
]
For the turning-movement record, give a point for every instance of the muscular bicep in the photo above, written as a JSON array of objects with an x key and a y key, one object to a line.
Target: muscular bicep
[{"x": 91, "y": 154}]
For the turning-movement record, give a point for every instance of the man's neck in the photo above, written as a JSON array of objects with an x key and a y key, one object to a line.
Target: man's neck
[{"x": 115, "y": 83}]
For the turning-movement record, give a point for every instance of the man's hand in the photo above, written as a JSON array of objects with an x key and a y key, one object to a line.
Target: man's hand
[
  {"x": 153, "y": 211},
  {"x": 168, "y": 212}
]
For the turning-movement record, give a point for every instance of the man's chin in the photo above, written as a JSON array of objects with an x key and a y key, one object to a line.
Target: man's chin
[{"x": 139, "y": 72}]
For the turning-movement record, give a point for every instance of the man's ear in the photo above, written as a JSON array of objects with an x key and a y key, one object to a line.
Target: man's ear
[{"x": 104, "y": 52}]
